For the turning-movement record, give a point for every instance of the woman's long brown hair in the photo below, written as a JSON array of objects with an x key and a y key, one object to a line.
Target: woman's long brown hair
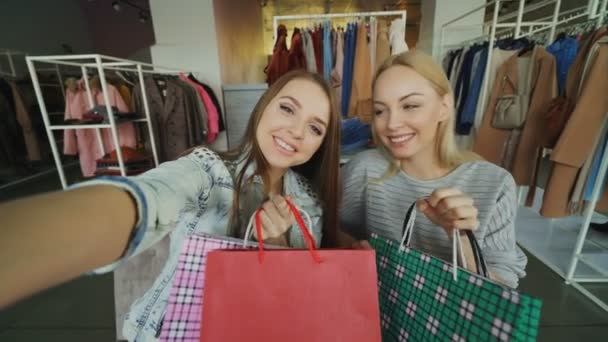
[{"x": 321, "y": 170}]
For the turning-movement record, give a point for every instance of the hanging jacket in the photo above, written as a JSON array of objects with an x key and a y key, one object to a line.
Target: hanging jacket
[
  {"x": 461, "y": 92},
  {"x": 383, "y": 46},
  {"x": 492, "y": 142},
  {"x": 279, "y": 63},
  {"x": 309, "y": 51},
  {"x": 336, "y": 74},
  {"x": 177, "y": 115},
  {"x": 297, "y": 58},
  {"x": 84, "y": 141},
  {"x": 543, "y": 88},
  {"x": 327, "y": 58},
  {"x": 565, "y": 51},
  {"x": 24, "y": 118},
  {"x": 212, "y": 114},
  {"x": 349, "y": 54},
  {"x": 397, "y": 37},
  {"x": 8, "y": 156},
  {"x": 317, "y": 38},
  {"x": 125, "y": 93},
  {"x": 576, "y": 141},
  {"x": 216, "y": 103},
  {"x": 468, "y": 111},
  {"x": 361, "y": 95},
  {"x": 373, "y": 42}
]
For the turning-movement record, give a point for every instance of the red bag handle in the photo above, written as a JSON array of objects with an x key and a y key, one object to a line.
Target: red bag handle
[{"x": 308, "y": 238}]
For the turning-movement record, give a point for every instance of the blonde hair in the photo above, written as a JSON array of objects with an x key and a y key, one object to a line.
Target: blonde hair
[{"x": 449, "y": 155}]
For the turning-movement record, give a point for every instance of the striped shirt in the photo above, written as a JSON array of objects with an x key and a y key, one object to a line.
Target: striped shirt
[{"x": 373, "y": 206}]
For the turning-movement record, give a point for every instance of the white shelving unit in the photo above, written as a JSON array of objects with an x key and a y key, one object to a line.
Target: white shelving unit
[
  {"x": 100, "y": 64},
  {"x": 565, "y": 245}
]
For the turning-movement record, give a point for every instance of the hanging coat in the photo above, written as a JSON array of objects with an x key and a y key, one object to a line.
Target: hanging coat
[
  {"x": 309, "y": 51},
  {"x": 576, "y": 141},
  {"x": 397, "y": 37},
  {"x": 383, "y": 47},
  {"x": 279, "y": 64},
  {"x": 297, "y": 59},
  {"x": 336, "y": 74},
  {"x": 84, "y": 141},
  {"x": 361, "y": 93},
  {"x": 317, "y": 38}
]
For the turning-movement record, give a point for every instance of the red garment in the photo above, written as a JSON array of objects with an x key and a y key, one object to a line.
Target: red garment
[
  {"x": 297, "y": 59},
  {"x": 317, "y": 38},
  {"x": 279, "y": 64}
]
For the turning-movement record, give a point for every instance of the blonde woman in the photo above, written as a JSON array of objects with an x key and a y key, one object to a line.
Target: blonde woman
[{"x": 417, "y": 161}]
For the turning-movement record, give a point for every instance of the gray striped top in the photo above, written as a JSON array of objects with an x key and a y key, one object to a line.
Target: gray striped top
[{"x": 371, "y": 206}]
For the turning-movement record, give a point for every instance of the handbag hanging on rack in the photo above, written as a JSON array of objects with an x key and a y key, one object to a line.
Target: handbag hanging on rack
[
  {"x": 510, "y": 111},
  {"x": 423, "y": 298}
]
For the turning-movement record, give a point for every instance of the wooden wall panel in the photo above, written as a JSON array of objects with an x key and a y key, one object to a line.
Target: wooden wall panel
[{"x": 240, "y": 40}]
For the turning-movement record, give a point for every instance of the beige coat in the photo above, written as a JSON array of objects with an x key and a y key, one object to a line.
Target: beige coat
[
  {"x": 491, "y": 142},
  {"x": 576, "y": 141},
  {"x": 544, "y": 89}
]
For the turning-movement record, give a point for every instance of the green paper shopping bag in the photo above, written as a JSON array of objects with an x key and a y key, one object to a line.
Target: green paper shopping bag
[{"x": 423, "y": 298}]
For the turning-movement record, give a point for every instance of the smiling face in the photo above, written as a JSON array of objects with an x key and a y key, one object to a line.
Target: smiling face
[
  {"x": 293, "y": 124},
  {"x": 407, "y": 113}
]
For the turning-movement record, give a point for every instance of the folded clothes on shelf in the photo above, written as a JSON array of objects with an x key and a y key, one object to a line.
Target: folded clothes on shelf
[{"x": 134, "y": 161}]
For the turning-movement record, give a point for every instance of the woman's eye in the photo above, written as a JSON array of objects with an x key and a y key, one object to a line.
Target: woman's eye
[
  {"x": 286, "y": 109},
  {"x": 410, "y": 106},
  {"x": 378, "y": 111},
  {"x": 316, "y": 130}
]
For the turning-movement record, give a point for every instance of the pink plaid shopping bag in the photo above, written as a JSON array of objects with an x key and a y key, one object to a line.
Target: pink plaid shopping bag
[{"x": 182, "y": 321}]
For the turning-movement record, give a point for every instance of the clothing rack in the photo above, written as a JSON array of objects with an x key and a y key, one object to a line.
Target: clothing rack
[
  {"x": 277, "y": 18},
  {"x": 14, "y": 58},
  {"x": 99, "y": 63},
  {"x": 8, "y": 54},
  {"x": 595, "y": 12}
]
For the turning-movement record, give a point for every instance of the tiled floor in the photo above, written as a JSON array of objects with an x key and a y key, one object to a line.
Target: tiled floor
[{"x": 83, "y": 310}]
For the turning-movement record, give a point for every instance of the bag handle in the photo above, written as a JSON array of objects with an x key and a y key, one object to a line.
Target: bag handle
[
  {"x": 305, "y": 228},
  {"x": 480, "y": 263},
  {"x": 508, "y": 79}
]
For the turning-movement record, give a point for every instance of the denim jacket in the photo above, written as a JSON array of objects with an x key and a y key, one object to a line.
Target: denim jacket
[{"x": 191, "y": 194}]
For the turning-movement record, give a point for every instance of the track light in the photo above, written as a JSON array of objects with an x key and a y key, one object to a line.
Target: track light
[
  {"x": 143, "y": 17},
  {"x": 116, "y": 6}
]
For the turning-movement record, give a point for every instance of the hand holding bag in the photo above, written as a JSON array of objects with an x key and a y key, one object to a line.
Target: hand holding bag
[
  {"x": 423, "y": 298},
  {"x": 291, "y": 295}
]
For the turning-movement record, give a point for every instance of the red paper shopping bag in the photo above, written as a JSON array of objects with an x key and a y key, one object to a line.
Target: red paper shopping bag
[{"x": 291, "y": 295}]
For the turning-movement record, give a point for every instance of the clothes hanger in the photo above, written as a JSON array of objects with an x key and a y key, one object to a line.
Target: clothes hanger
[
  {"x": 527, "y": 48},
  {"x": 124, "y": 78}
]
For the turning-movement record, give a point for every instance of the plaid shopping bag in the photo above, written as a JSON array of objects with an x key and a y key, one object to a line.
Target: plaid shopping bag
[
  {"x": 182, "y": 322},
  {"x": 421, "y": 301}
]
